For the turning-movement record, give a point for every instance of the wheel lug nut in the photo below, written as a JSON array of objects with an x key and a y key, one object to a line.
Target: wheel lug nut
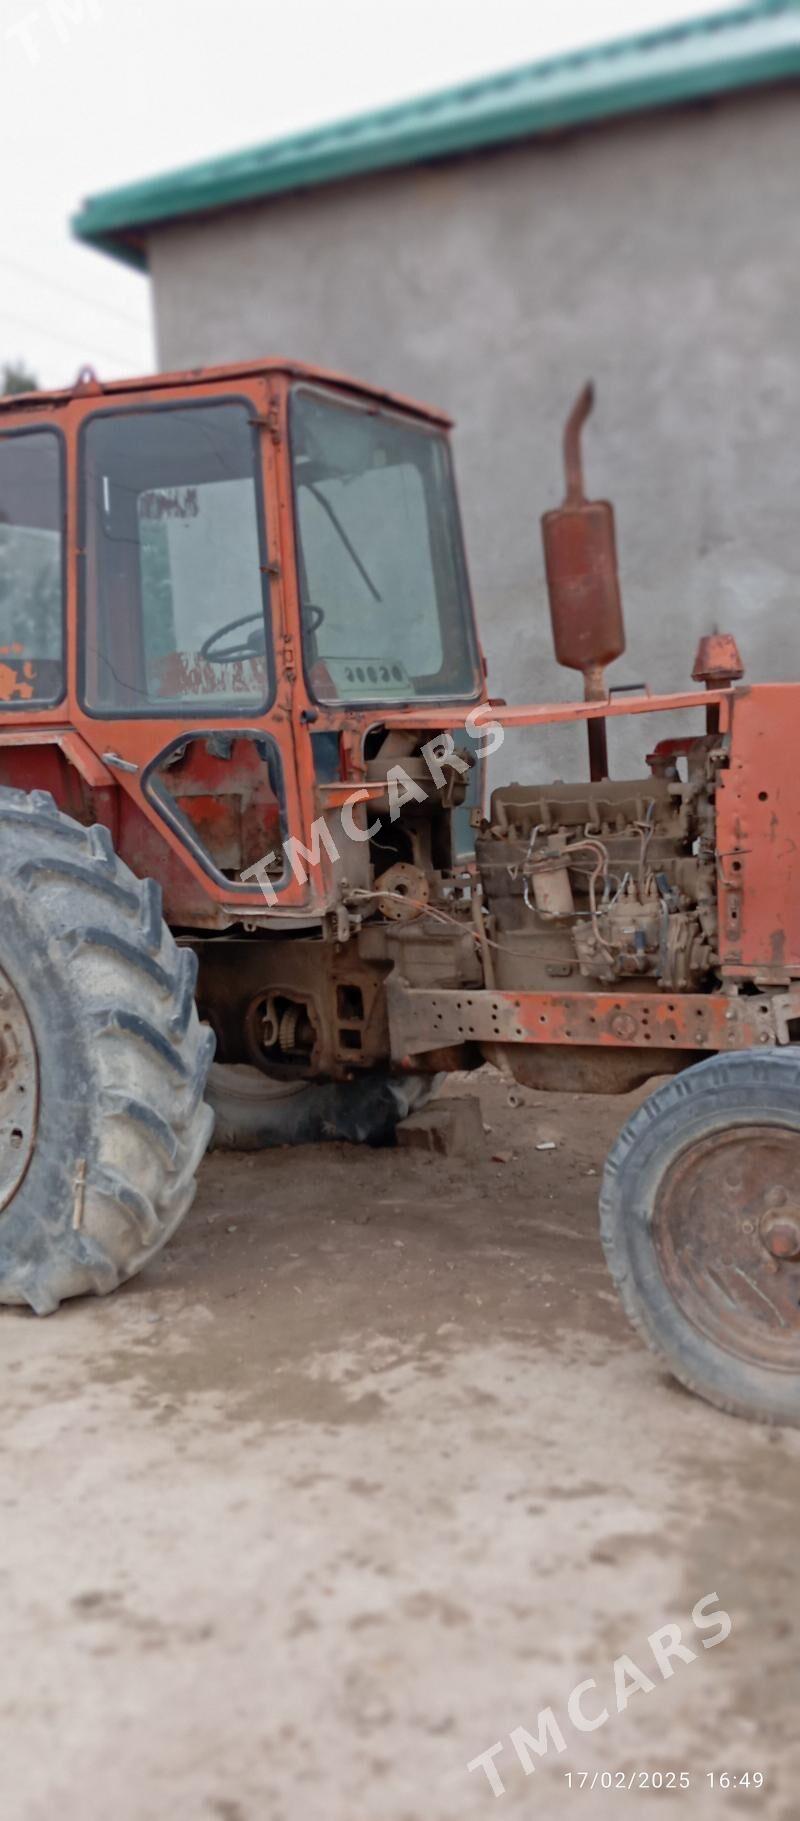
[
  {"x": 781, "y": 1236},
  {"x": 777, "y": 1196}
]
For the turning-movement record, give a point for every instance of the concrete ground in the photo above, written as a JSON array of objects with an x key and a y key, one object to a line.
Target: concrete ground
[{"x": 363, "y": 1475}]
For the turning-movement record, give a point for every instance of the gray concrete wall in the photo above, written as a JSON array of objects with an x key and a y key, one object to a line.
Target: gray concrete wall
[{"x": 662, "y": 257}]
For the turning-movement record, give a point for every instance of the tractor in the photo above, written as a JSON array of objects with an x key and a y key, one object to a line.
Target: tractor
[{"x": 250, "y": 867}]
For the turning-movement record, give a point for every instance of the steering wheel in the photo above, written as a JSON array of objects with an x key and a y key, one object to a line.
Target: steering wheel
[{"x": 245, "y": 649}]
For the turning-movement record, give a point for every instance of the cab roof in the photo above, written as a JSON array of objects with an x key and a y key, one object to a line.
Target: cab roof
[{"x": 88, "y": 386}]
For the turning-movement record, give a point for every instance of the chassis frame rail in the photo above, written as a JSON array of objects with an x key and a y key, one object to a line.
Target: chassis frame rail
[{"x": 421, "y": 1019}]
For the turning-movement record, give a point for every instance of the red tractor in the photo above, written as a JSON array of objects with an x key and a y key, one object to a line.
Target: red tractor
[{"x": 243, "y": 732}]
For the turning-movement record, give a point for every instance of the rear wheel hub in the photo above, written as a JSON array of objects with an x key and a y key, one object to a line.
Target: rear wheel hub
[
  {"x": 19, "y": 1091},
  {"x": 726, "y": 1226}
]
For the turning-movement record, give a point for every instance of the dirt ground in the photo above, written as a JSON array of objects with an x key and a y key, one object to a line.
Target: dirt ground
[{"x": 363, "y": 1475}]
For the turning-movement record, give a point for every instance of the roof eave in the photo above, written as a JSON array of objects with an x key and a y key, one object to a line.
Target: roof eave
[{"x": 119, "y": 222}]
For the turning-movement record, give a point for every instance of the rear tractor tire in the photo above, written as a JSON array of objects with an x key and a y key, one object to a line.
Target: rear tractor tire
[
  {"x": 254, "y": 1112},
  {"x": 103, "y": 1062},
  {"x": 700, "y": 1221}
]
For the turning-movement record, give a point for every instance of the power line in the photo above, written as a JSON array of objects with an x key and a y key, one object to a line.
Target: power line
[
  {"x": 52, "y": 284},
  {"x": 68, "y": 341}
]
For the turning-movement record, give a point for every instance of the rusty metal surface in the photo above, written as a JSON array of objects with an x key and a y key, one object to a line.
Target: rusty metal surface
[
  {"x": 221, "y": 785},
  {"x": 726, "y": 1226},
  {"x": 19, "y": 1091},
  {"x": 758, "y": 837},
  {"x": 580, "y": 555},
  {"x": 581, "y": 565},
  {"x": 717, "y": 664},
  {"x": 552, "y": 714},
  {"x": 420, "y": 1019},
  {"x": 573, "y": 455},
  {"x": 28, "y": 405},
  {"x": 717, "y": 660},
  {"x": 404, "y": 892},
  {"x": 246, "y": 989},
  {"x": 641, "y": 899}
]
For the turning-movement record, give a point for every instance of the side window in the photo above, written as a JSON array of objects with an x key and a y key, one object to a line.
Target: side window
[
  {"x": 31, "y": 568},
  {"x": 174, "y": 600}
]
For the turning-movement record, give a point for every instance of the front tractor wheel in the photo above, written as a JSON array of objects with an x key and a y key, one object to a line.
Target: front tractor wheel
[
  {"x": 700, "y": 1221},
  {"x": 103, "y": 1062}
]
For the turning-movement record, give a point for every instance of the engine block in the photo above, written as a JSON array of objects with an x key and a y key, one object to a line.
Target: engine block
[{"x": 609, "y": 882}]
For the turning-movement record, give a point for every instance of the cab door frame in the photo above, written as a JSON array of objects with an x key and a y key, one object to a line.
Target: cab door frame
[{"x": 129, "y": 743}]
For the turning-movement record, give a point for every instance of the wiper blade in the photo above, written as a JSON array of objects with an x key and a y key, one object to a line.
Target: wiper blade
[{"x": 350, "y": 548}]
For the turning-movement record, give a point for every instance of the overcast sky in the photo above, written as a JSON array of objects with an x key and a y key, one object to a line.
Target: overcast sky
[{"x": 96, "y": 93}]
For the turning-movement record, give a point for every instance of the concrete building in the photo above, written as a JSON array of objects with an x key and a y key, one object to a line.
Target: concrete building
[{"x": 629, "y": 213}]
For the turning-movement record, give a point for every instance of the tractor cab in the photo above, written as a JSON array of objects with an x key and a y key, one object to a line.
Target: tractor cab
[{"x": 219, "y": 582}]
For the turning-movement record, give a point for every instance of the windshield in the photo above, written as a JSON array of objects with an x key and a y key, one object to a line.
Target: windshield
[{"x": 382, "y": 581}]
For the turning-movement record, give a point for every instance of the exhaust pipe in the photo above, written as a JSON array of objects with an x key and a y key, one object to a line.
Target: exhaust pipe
[{"x": 580, "y": 554}]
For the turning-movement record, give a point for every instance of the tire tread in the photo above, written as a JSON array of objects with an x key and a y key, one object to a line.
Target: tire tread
[{"x": 149, "y": 1052}]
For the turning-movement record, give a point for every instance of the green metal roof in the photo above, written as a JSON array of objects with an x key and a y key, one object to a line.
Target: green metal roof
[{"x": 754, "y": 44}]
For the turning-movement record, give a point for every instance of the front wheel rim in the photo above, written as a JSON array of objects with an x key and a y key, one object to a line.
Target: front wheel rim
[
  {"x": 726, "y": 1229},
  {"x": 19, "y": 1091}
]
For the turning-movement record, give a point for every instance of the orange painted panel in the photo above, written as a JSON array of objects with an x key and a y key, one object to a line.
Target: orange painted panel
[{"x": 758, "y": 834}]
